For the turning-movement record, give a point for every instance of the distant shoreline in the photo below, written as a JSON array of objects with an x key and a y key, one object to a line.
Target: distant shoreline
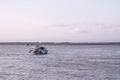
[{"x": 61, "y": 43}]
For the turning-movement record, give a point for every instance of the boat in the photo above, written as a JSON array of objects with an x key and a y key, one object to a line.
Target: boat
[
  {"x": 38, "y": 51},
  {"x": 35, "y": 49}
]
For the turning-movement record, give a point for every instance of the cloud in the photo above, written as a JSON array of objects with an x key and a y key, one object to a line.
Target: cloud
[
  {"x": 106, "y": 25},
  {"x": 65, "y": 25},
  {"x": 88, "y": 28},
  {"x": 75, "y": 30},
  {"x": 79, "y": 31},
  {"x": 84, "y": 32}
]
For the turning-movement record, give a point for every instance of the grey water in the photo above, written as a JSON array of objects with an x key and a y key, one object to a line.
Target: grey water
[{"x": 63, "y": 62}]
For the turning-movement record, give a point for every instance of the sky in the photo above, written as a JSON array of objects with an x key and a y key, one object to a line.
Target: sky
[{"x": 60, "y": 20}]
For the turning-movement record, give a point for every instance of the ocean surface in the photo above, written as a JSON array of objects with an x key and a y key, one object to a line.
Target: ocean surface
[{"x": 63, "y": 62}]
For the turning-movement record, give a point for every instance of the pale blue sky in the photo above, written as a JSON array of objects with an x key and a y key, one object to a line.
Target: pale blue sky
[{"x": 60, "y": 20}]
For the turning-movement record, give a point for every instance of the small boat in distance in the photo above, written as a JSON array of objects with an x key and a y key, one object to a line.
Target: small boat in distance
[{"x": 35, "y": 49}]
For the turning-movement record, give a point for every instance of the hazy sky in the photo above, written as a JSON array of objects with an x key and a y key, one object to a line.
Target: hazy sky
[{"x": 60, "y": 20}]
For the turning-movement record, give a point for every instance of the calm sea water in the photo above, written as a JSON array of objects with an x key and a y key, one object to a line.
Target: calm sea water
[{"x": 63, "y": 62}]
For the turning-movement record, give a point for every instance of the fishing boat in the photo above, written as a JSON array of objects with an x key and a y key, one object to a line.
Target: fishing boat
[
  {"x": 36, "y": 49},
  {"x": 40, "y": 50}
]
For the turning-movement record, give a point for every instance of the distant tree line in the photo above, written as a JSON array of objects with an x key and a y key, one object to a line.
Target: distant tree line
[{"x": 60, "y": 43}]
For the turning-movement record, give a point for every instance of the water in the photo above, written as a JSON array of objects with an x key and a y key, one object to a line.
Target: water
[{"x": 64, "y": 62}]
